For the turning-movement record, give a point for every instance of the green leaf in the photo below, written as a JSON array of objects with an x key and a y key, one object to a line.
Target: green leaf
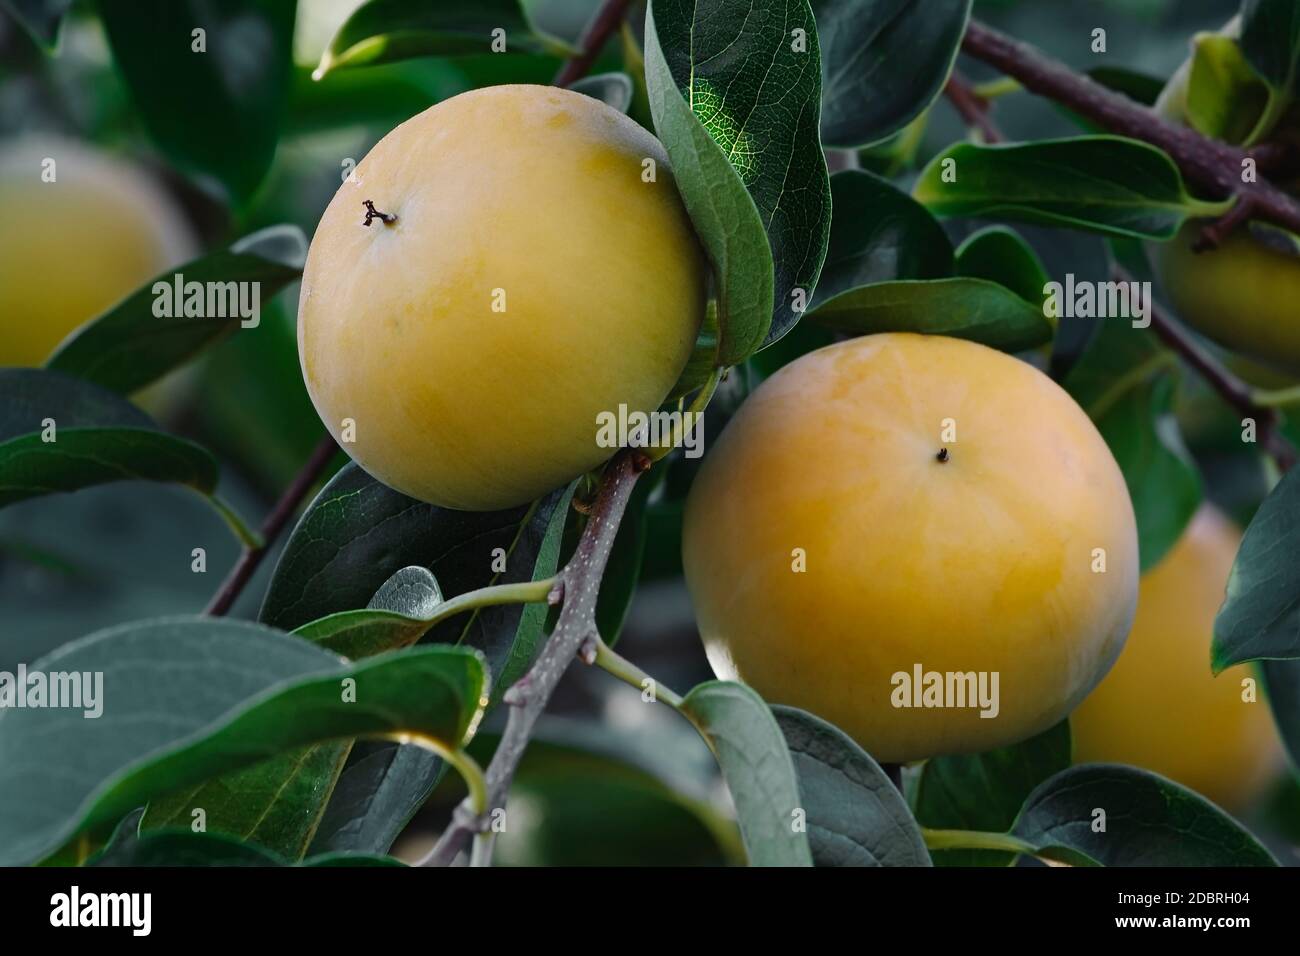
[
  {"x": 278, "y": 803},
  {"x": 188, "y": 699},
  {"x": 612, "y": 89},
  {"x": 973, "y": 309},
  {"x": 40, "y": 18},
  {"x": 883, "y": 63},
  {"x": 737, "y": 110},
  {"x": 1225, "y": 97},
  {"x": 986, "y": 791},
  {"x": 1000, "y": 255},
  {"x": 1282, "y": 688},
  {"x": 1106, "y": 184},
  {"x": 358, "y": 533},
  {"x": 879, "y": 233},
  {"x": 128, "y": 347},
  {"x": 855, "y": 814},
  {"x": 100, "y": 437},
  {"x": 384, "y": 31},
  {"x": 184, "y": 847},
  {"x": 1270, "y": 39},
  {"x": 215, "y": 113},
  {"x": 382, "y": 787},
  {"x": 1126, "y": 384},
  {"x": 757, "y": 767},
  {"x": 1260, "y": 617},
  {"x": 1149, "y": 821}
]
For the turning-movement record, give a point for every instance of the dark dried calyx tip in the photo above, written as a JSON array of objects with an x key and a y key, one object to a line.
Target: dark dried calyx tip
[
  {"x": 372, "y": 213},
  {"x": 942, "y": 456}
]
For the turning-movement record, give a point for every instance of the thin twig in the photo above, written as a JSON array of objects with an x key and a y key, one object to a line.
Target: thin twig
[
  {"x": 972, "y": 107},
  {"x": 1209, "y": 164},
  {"x": 602, "y": 27},
  {"x": 284, "y": 509},
  {"x": 576, "y": 586}
]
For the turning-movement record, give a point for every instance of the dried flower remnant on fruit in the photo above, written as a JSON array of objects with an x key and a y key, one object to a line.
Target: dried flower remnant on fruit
[
  {"x": 942, "y": 457},
  {"x": 372, "y": 213}
]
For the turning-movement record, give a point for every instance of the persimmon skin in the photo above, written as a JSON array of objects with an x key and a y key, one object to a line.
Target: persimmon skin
[
  {"x": 74, "y": 247},
  {"x": 981, "y": 562},
  {"x": 531, "y": 280},
  {"x": 1160, "y": 707}
]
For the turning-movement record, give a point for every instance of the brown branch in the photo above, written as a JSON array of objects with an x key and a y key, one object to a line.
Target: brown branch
[
  {"x": 284, "y": 509},
  {"x": 602, "y": 27},
  {"x": 1037, "y": 73},
  {"x": 1209, "y": 164},
  {"x": 576, "y": 587},
  {"x": 973, "y": 108}
]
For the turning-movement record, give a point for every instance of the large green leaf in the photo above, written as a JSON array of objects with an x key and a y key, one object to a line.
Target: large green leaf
[
  {"x": 1125, "y": 382},
  {"x": 384, "y": 31},
  {"x": 1148, "y": 820},
  {"x": 381, "y": 788},
  {"x": 1260, "y": 617},
  {"x": 187, "y": 699},
  {"x": 278, "y": 803},
  {"x": 215, "y": 113},
  {"x": 883, "y": 63},
  {"x": 1270, "y": 39},
  {"x": 129, "y": 346},
  {"x": 757, "y": 766},
  {"x": 99, "y": 437},
  {"x": 1282, "y": 686},
  {"x": 986, "y": 791},
  {"x": 964, "y": 308},
  {"x": 878, "y": 234},
  {"x": 1225, "y": 98},
  {"x": 855, "y": 814},
  {"x": 736, "y": 101},
  {"x": 1106, "y": 184},
  {"x": 185, "y": 847},
  {"x": 1000, "y": 255}
]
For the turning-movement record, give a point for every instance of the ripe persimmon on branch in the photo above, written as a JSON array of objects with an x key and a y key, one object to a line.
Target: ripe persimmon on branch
[{"x": 1209, "y": 163}]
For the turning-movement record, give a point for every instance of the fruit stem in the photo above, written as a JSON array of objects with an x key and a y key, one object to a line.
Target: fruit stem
[
  {"x": 597, "y": 652},
  {"x": 372, "y": 213},
  {"x": 689, "y": 416}
]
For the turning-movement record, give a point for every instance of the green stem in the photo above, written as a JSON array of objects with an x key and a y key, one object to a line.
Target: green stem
[
  {"x": 697, "y": 406},
  {"x": 247, "y": 536},
  {"x": 523, "y": 592},
  {"x": 629, "y": 673},
  {"x": 995, "y": 88},
  {"x": 976, "y": 840},
  {"x": 1278, "y": 398},
  {"x": 472, "y": 774}
]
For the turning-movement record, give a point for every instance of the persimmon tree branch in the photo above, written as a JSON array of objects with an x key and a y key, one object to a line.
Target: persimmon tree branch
[
  {"x": 1120, "y": 114},
  {"x": 575, "y": 589},
  {"x": 607, "y": 19},
  {"x": 275, "y": 522},
  {"x": 1209, "y": 164}
]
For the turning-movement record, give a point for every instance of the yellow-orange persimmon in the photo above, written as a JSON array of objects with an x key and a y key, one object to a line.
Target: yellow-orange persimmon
[
  {"x": 538, "y": 270},
  {"x": 901, "y": 502},
  {"x": 83, "y": 230},
  {"x": 1160, "y": 707}
]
